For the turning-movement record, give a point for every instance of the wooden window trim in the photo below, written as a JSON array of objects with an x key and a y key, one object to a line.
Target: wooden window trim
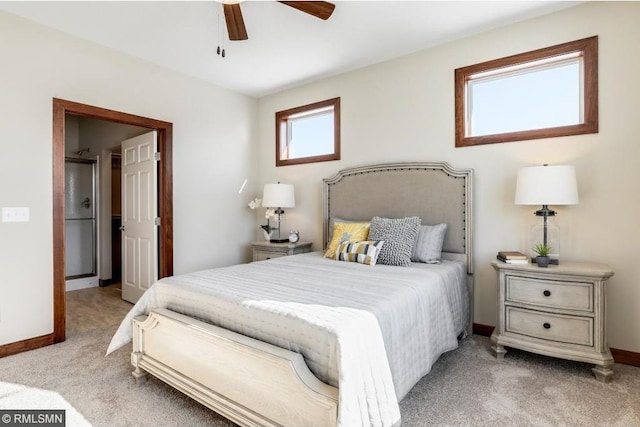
[
  {"x": 282, "y": 116},
  {"x": 589, "y": 49}
]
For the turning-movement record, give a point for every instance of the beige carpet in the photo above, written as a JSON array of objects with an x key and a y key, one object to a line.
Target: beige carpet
[
  {"x": 16, "y": 396},
  {"x": 466, "y": 387},
  {"x": 469, "y": 387}
]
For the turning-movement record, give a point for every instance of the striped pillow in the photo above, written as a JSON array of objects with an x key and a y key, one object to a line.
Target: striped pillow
[{"x": 365, "y": 252}]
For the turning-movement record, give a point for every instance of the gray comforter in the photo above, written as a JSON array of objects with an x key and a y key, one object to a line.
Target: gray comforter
[{"x": 420, "y": 309}]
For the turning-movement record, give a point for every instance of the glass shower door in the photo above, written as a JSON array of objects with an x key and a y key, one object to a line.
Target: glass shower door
[{"x": 80, "y": 218}]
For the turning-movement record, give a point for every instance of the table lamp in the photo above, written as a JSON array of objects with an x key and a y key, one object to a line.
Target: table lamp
[
  {"x": 546, "y": 185},
  {"x": 278, "y": 196}
]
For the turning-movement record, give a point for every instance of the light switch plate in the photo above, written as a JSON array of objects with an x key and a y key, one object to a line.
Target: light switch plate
[{"x": 15, "y": 214}]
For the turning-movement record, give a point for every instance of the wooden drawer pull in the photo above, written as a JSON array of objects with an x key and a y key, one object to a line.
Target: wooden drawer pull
[
  {"x": 547, "y": 293},
  {"x": 546, "y": 325}
]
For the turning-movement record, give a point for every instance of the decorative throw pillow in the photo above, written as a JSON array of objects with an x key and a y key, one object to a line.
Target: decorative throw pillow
[
  {"x": 361, "y": 252},
  {"x": 399, "y": 236},
  {"x": 346, "y": 232},
  {"x": 335, "y": 219},
  {"x": 428, "y": 247}
]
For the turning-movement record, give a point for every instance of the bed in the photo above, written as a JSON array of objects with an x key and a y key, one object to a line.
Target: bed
[{"x": 305, "y": 340}]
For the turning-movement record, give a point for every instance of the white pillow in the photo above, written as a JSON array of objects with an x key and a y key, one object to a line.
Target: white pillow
[{"x": 428, "y": 246}]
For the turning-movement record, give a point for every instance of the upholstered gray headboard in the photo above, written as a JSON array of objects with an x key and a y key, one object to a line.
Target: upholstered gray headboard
[{"x": 433, "y": 191}]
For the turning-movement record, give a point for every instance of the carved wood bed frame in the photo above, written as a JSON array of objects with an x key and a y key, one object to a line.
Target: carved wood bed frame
[{"x": 254, "y": 383}]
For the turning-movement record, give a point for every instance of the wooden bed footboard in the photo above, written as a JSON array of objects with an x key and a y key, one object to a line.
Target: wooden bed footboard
[{"x": 250, "y": 382}]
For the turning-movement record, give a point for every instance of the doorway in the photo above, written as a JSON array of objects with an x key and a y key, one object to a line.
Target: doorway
[{"x": 165, "y": 198}]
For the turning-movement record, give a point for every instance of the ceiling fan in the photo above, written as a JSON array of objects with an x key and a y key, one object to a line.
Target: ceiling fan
[{"x": 235, "y": 23}]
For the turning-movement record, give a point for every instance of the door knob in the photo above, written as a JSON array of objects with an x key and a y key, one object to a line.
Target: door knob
[{"x": 122, "y": 228}]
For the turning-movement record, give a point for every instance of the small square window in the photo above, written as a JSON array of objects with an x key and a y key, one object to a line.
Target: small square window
[{"x": 308, "y": 134}]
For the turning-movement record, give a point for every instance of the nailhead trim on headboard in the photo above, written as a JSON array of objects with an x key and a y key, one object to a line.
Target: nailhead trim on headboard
[{"x": 464, "y": 174}]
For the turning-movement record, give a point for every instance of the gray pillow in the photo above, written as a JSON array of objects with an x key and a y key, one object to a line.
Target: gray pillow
[
  {"x": 399, "y": 236},
  {"x": 428, "y": 247}
]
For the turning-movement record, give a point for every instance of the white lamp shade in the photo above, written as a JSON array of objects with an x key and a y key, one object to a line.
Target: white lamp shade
[
  {"x": 278, "y": 196},
  {"x": 547, "y": 185}
]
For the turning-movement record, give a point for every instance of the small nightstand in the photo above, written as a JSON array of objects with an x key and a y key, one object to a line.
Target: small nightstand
[
  {"x": 266, "y": 250},
  {"x": 557, "y": 311}
]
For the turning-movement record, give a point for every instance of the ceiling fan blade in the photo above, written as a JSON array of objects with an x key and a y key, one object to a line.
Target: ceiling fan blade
[
  {"x": 235, "y": 23},
  {"x": 319, "y": 9}
]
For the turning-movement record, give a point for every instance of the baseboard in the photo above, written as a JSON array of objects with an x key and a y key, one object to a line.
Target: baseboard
[
  {"x": 619, "y": 356},
  {"x": 106, "y": 282},
  {"x": 82, "y": 283},
  {"x": 626, "y": 357},
  {"x": 24, "y": 345}
]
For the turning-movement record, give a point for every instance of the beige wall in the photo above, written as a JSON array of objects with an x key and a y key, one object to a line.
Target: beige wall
[
  {"x": 213, "y": 141},
  {"x": 403, "y": 110}
]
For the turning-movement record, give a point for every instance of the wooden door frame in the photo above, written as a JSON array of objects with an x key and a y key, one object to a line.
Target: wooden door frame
[{"x": 165, "y": 208}]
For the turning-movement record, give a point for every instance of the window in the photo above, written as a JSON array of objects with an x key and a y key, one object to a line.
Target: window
[
  {"x": 545, "y": 93},
  {"x": 308, "y": 134}
]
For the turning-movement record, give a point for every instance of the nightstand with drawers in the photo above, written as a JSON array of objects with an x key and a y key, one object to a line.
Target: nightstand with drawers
[
  {"x": 267, "y": 250},
  {"x": 557, "y": 311}
]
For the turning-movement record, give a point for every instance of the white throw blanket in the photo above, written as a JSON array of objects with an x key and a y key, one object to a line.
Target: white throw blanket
[{"x": 366, "y": 396}]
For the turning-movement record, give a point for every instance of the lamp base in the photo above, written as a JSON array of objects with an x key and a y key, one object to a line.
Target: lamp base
[{"x": 279, "y": 240}]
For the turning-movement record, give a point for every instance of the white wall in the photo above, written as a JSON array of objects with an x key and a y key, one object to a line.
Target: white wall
[
  {"x": 212, "y": 155},
  {"x": 404, "y": 110}
]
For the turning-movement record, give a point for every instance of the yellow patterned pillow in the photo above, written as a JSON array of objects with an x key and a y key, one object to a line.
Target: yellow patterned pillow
[{"x": 346, "y": 232}]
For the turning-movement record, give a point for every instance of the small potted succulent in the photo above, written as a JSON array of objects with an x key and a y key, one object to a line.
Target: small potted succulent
[{"x": 543, "y": 254}]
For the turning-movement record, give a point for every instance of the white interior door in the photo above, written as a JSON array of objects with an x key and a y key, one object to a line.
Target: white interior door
[{"x": 139, "y": 211}]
